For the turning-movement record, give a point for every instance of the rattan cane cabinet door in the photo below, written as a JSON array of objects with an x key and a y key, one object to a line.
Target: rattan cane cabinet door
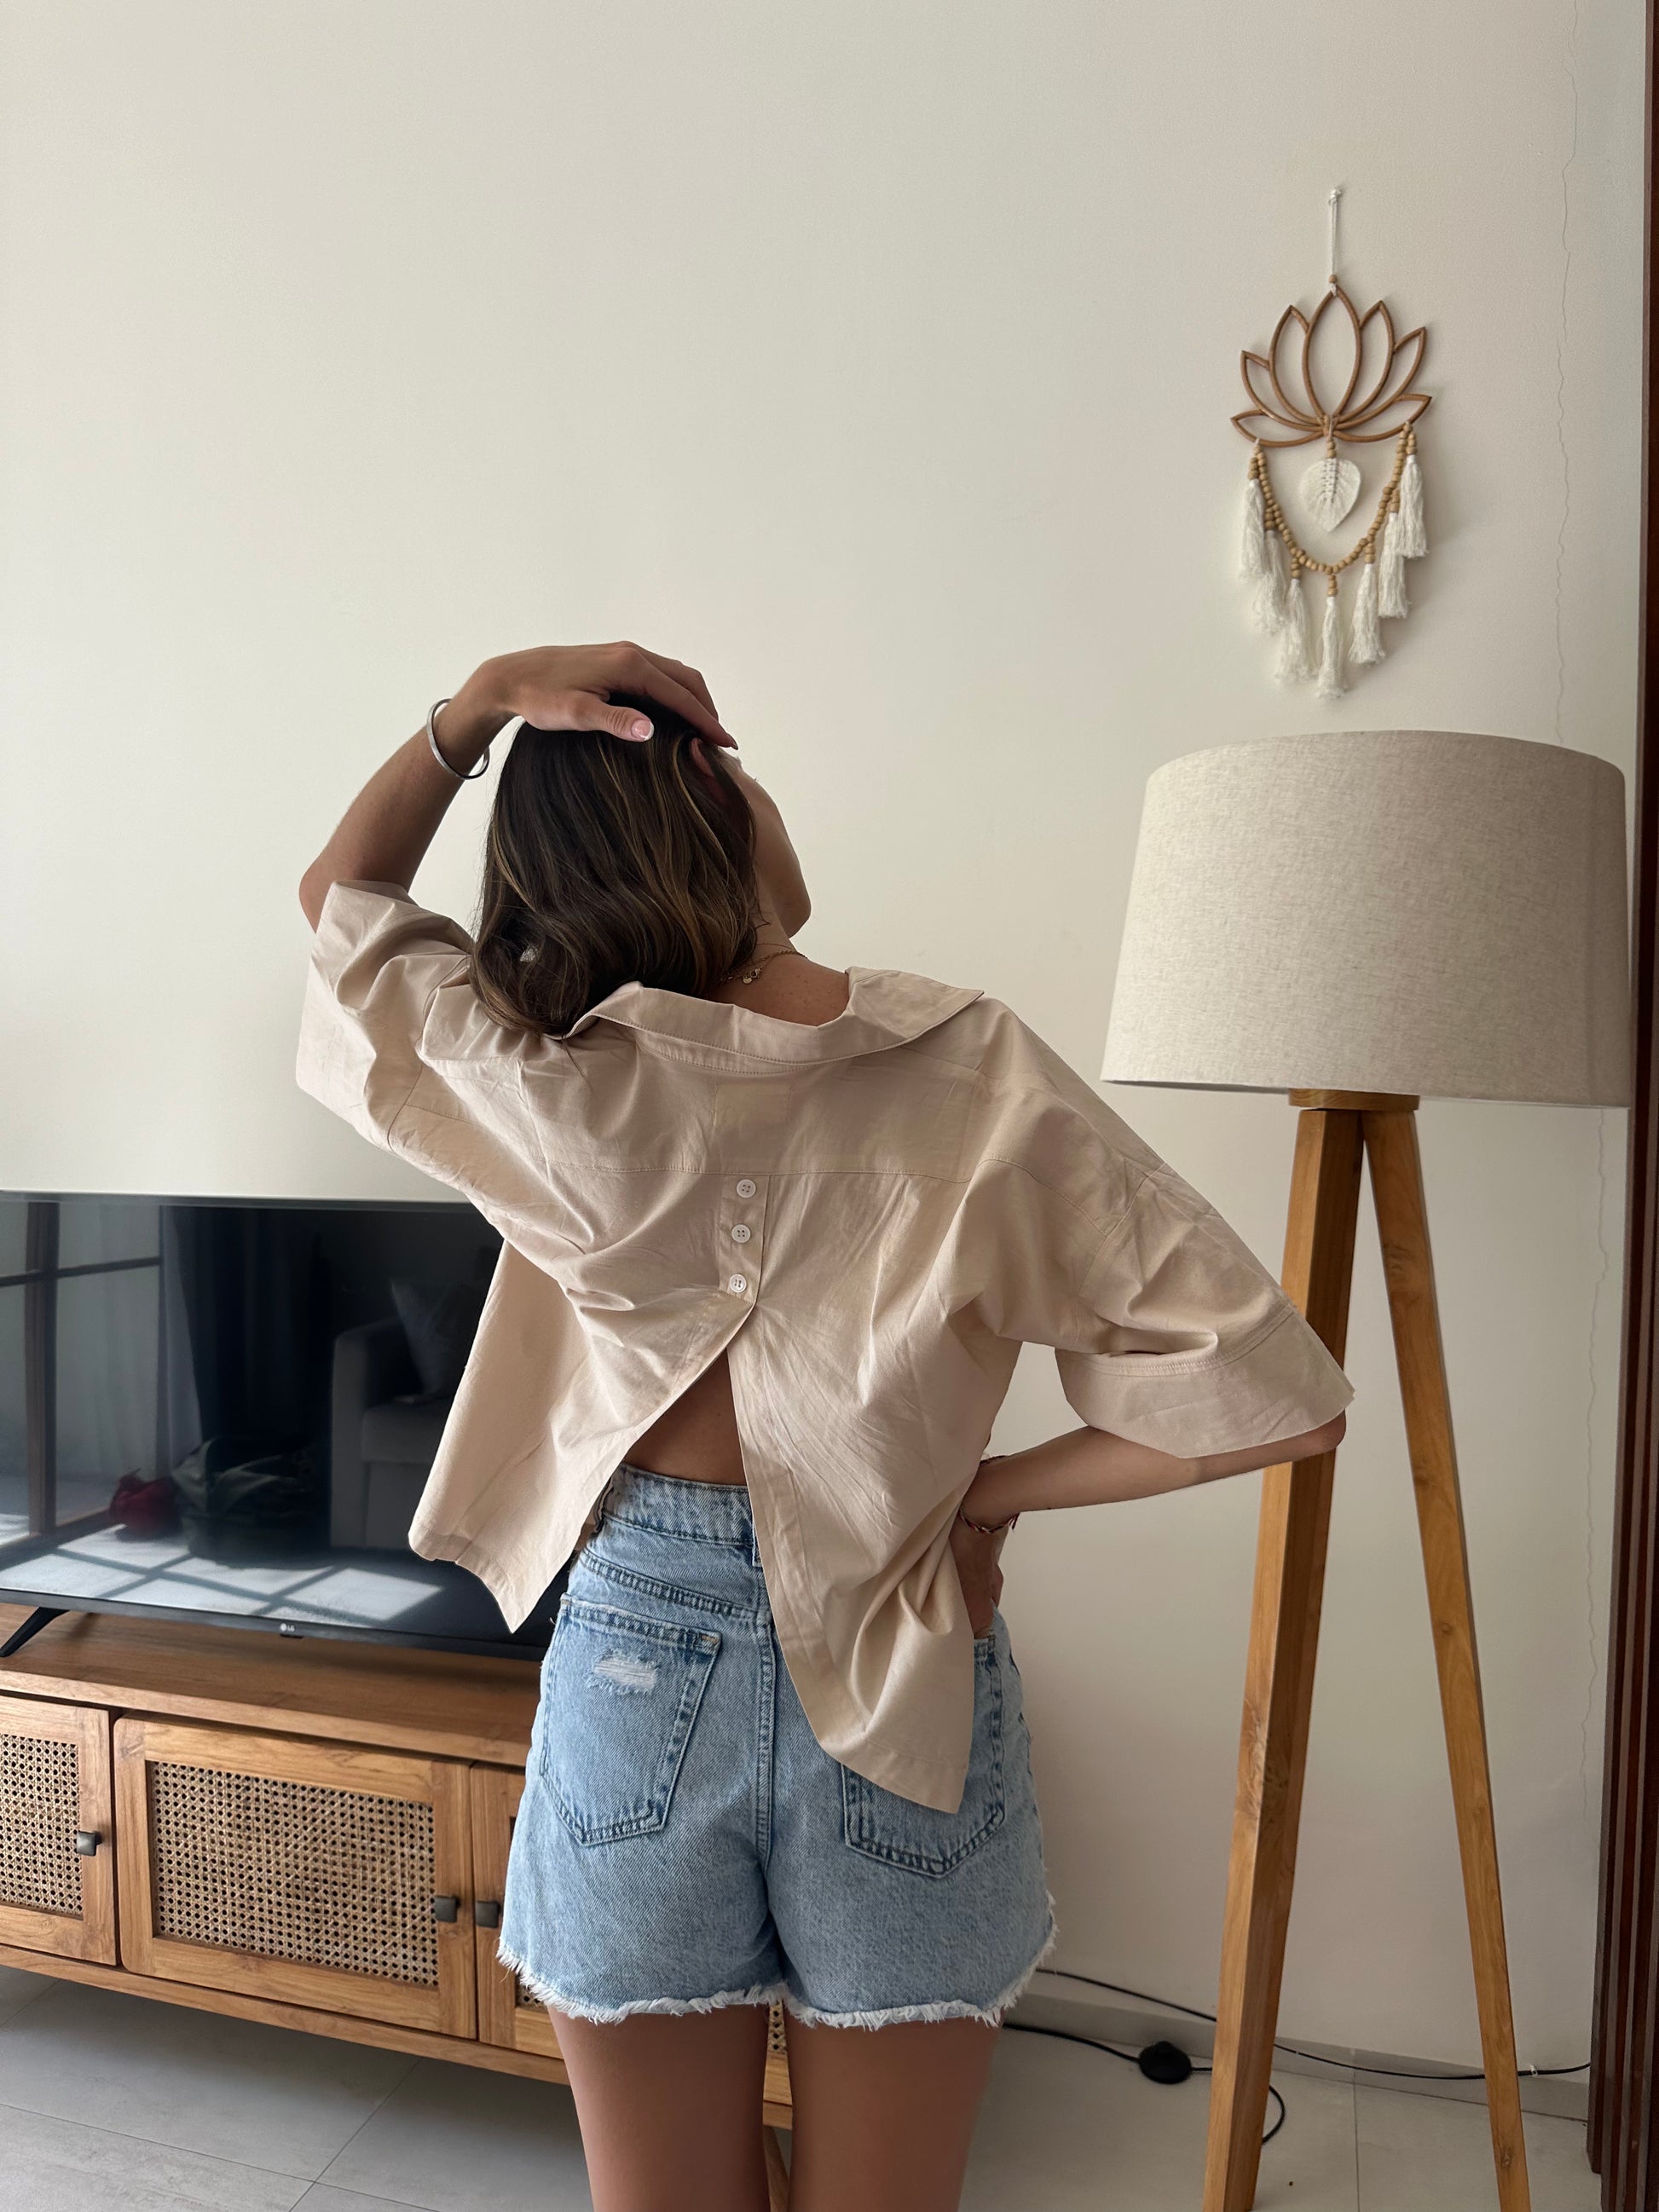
[
  {"x": 57, "y": 1859},
  {"x": 316, "y": 1873}
]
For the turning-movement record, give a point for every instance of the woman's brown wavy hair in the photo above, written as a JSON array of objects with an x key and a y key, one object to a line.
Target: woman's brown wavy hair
[{"x": 608, "y": 861}]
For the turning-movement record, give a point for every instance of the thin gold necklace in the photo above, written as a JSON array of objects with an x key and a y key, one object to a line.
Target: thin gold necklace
[{"x": 747, "y": 974}]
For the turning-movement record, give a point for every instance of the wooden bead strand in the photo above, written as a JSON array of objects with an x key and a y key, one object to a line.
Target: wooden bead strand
[{"x": 1388, "y": 503}]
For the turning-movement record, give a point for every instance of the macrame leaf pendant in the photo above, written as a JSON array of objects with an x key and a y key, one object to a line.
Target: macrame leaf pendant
[{"x": 1330, "y": 488}]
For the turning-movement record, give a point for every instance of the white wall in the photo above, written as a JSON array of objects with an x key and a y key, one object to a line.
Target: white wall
[{"x": 879, "y": 358}]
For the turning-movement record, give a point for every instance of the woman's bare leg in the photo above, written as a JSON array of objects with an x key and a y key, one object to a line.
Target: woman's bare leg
[
  {"x": 883, "y": 2116},
  {"x": 670, "y": 2108}
]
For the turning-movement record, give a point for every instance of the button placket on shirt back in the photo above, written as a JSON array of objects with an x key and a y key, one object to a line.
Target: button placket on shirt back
[{"x": 742, "y": 1204}]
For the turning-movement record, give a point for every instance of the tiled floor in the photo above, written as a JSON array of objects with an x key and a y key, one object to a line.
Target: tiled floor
[{"x": 116, "y": 2104}]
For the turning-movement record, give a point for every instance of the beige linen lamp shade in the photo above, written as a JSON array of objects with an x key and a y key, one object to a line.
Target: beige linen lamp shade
[{"x": 1414, "y": 911}]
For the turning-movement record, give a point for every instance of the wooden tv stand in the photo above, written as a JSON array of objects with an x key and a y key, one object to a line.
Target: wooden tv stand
[{"x": 305, "y": 1832}]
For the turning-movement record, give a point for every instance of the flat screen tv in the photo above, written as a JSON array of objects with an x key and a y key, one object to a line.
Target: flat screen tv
[{"x": 225, "y": 1410}]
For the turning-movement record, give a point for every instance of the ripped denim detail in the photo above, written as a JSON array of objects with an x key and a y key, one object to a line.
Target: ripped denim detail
[
  {"x": 628, "y": 1677},
  {"x": 612, "y": 1772}
]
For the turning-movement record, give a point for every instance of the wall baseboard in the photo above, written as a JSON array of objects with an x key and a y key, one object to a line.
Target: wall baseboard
[{"x": 1055, "y": 2001}]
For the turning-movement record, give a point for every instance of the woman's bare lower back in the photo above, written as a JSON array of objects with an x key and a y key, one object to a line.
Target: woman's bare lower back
[{"x": 697, "y": 1437}]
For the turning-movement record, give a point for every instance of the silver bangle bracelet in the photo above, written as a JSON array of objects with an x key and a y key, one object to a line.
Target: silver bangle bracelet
[{"x": 472, "y": 773}]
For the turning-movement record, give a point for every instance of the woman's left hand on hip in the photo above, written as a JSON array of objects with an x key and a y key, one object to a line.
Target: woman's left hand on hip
[{"x": 978, "y": 1572}]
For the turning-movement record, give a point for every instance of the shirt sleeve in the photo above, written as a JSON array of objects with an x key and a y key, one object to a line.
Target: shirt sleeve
[
  {"x": 377, "y": 961},
  {"x": 1182, "y": 1341}
]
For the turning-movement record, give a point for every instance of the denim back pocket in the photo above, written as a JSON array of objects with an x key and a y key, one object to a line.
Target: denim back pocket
[
  {"x": 905, "y": 1834},
  {"x": 620, "y": 1692}
]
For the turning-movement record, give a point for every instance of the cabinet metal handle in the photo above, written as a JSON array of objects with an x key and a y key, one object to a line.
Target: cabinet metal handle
[
  {"x": 487, "y": 1912},
  {"x": 87, "y": 1841},
  {"x": 446, "y": 1908}
]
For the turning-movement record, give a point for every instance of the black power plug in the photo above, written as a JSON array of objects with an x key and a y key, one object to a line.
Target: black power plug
[{"x": 1165, "y": 2062}]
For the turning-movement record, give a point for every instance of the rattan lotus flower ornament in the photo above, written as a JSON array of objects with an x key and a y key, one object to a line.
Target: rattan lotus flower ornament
[{"x": 1298, "y": 400}]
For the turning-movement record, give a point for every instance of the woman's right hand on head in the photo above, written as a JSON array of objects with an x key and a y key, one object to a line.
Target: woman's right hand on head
[{"x": 570, "y": 687}]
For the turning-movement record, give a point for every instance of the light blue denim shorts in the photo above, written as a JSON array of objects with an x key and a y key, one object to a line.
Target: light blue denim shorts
[{"x": 683, "y": 1841}]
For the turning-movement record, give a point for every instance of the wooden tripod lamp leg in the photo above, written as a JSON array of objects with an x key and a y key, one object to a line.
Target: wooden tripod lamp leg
[
  {"x": 1402, "y": 1222},
  {"x": 1284, "y": 1631},
  {"x": 777, "y": 2174},
  {"x": 1290, "y": 1576}
]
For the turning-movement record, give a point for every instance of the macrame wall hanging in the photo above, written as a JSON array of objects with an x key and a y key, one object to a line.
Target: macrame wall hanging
[{"x": 1361, "y": 391}]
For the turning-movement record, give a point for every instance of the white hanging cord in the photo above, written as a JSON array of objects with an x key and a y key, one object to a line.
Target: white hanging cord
[{"x": 1336, "y": 194}]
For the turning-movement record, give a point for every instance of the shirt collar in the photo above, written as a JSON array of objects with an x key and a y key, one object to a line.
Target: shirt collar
[{"x": 886, "y": 1007}]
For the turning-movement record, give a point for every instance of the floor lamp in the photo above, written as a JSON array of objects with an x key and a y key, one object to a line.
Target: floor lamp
[{"x": 1362, "y": 919}]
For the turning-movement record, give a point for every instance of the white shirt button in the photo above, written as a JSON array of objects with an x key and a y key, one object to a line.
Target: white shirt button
[
  {"x": 741, "y": 1233},
  {"x": 745, "y": 1187},
  {"x": 737, "y": 1283}
]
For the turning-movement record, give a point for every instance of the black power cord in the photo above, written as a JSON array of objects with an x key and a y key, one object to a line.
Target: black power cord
[
  {"x": 1319, "y": 2057},
  {"x": 1169, "y": 2062},
  {"x": 1158, "y": 2062}
]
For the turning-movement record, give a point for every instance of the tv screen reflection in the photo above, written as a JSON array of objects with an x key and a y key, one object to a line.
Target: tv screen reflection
[{"x": 229, "y": 1408}]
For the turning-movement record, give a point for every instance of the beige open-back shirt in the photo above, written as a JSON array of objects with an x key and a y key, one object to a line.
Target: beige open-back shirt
[{"x": 869, "y": 1218}]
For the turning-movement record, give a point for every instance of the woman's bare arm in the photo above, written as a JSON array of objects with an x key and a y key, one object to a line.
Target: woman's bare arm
[
  {"x": 1088, "y": 1467},
  {"x": 384, "y": 834}
]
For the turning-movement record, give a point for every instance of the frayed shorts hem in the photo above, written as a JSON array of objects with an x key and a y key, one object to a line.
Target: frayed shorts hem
[
  {"x": 943, "y": 2008},
  {"x": 809, "y": 2015},
  {"x": 607, "y": 2015}
]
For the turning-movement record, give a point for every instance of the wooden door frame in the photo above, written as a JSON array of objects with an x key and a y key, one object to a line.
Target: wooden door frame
[
  {"x": 495, "y": 1792},
  {"x": 89, "y": 1934},
  {"x": 1623, "y": 2139}
]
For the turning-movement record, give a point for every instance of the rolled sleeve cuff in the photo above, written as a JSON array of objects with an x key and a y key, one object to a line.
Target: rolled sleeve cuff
[{"x": 1282, "y": 1383}]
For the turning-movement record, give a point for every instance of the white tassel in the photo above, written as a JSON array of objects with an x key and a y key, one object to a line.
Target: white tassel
[
  {"x": 1365, "y": 644},
  {"x": 1267, "y": 609},
  {"x": 1391, "y": 599},
  {"x": 1293, "y": 664},
  {"x": 1414, "y": 538},
  {"x": 1253, "y": 552},
  {"x": 1331, "y": 686}
]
